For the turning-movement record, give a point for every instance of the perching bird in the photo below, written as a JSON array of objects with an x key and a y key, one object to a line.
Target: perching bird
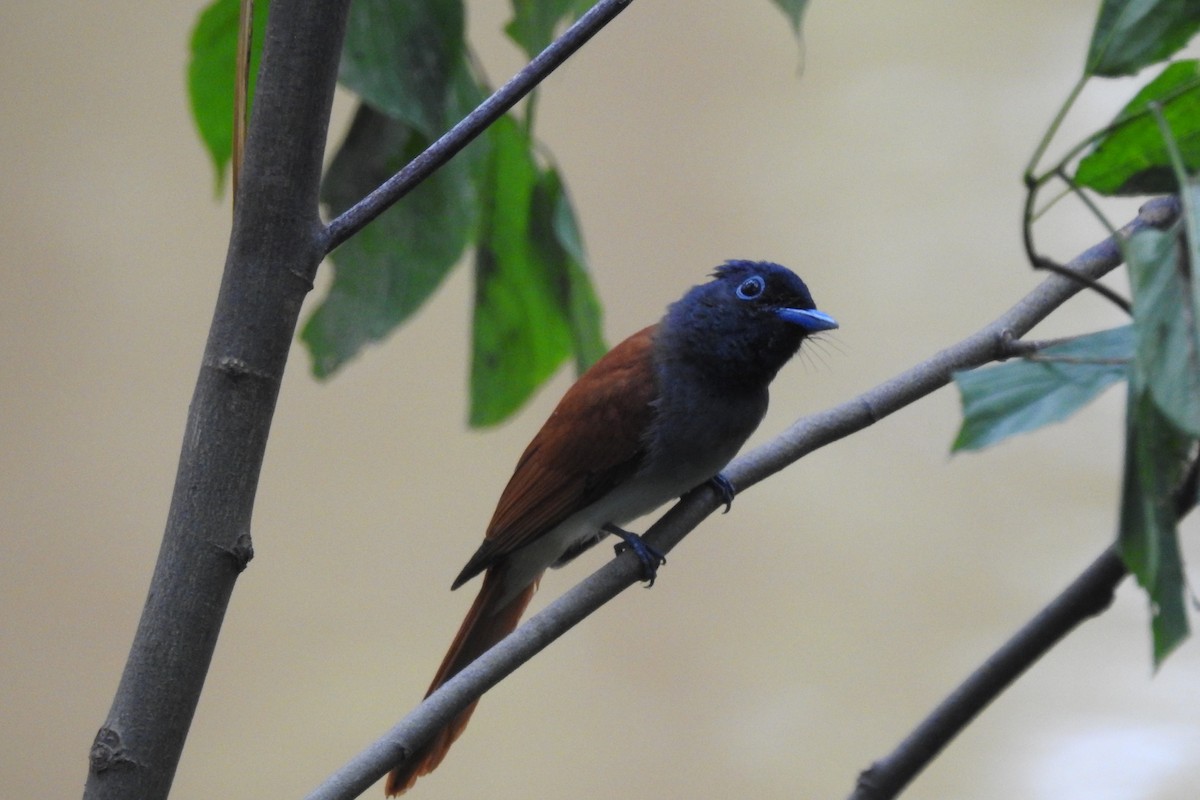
[{"x": 662, "y": 413}]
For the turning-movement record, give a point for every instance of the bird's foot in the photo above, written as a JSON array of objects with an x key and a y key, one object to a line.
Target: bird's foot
[
  {"x": 725, "y": 489},
  {"x": 651, "y": 558}
]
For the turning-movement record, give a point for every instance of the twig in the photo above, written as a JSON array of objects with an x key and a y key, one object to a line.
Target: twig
[
  {"x": 1031, "y": 350},
  {"x": 803, "y": 437},
  {"x": 361, "y": 213},
  {"x": 1105, "y": 362},
  {"x": 1034, "y": 182},
  {"x": 1027, "y": 348}
]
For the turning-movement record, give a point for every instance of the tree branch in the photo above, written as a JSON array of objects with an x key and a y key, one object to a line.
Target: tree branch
[
  {"x": 274, "y": 251},
  {"x": 803, "y": 437},
  {"x": 1087, "y": 596},
  {"x": 394, "y": 188},
  {"x": 987, "y": 344}
]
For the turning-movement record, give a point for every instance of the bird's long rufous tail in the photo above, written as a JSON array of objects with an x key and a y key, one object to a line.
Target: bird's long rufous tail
[{"x": 485, "y": 625}]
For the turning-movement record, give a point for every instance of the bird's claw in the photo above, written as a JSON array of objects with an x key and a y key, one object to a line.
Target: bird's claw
[
  {"x": 650, "y": 557},
  {"x": 724, "y": 488}
]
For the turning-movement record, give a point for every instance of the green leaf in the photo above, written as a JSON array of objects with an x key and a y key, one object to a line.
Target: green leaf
[
  {"x": 212, "y": 71},
  {"x": 1188, "y": 254},
  {"x": 1162, "y": 429},
  {"x": 1191, "y": 214},
  {"x": 535, "y": 22},
  {"x": 1149, "y": 537},
  {"x": 382, "y": 275},
  {"x": 526, "y": 288},
  {"x": 1133, "y": 159},
  {"x": 402, "y": 56},
  {"x": 555, "y": 232},
  {"x": 1023, "y": 395},
  {"x": 1131, "y": 34},
  {"x": 794, "y": 10},
  {"x": 1164, "y": 327}
]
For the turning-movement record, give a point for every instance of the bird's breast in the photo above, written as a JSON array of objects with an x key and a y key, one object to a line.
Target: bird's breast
[{"x": 697, "y": 431}]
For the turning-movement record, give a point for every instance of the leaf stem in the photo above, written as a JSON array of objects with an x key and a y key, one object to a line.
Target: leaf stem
[
  {"x": 1035, "y": 182},
  {"x": 1177, "y": 166},
  {"x": 1112, "y": 127},
  {"x": 1051, "y": 132}
]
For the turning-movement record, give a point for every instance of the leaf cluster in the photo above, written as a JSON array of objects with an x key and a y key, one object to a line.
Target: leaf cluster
[
  {"x": 1151, "y": 146},
  {"x": 501, "y": 200}
]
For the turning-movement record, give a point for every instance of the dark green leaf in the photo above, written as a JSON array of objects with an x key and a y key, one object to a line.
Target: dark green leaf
[
  {"x": 1191, "y": 212},
  {"x": 1163, "y": 425},
  {"x": 382, "y": 275},
  {"x": 526, "y": 287},
  {"x": 1183, "y": 270},
  {"x": 1023, "y": 395},
  {"x": 1133, "y": 158},
  {"x": 556, "y": 233},
  {"x": 794, "y": 10},
  {"x": 535, "y": 22},
  {"x": 402, "y": 56},
  {"x": 1164, "y": 327},
  {"x": 1149, "y": 538},
  {"x": 1191, "y": 217},
  {"x": 212, "y": 71},
  {"x": 1131, "y": 34}
]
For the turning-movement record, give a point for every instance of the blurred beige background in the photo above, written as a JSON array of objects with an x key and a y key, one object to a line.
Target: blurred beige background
[{"x": 787, "y": 644}]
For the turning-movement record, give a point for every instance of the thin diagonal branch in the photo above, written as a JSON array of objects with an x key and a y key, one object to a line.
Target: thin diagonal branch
[
  {"x": 987, "y": 344},
  {"x": 360, "y": 214},
  {"x": 1088, "y": 595},
  {"x": 803, "y": 437}
]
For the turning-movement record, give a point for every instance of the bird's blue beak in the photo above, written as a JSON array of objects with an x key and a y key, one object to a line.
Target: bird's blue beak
[{"x": 811, "y": 320}]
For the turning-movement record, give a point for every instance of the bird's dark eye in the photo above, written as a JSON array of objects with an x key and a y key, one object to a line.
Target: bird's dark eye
[{"x": 751, "y": 288}]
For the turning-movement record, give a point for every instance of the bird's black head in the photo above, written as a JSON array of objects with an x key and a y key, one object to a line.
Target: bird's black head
[{"x": 743, "y": 325}]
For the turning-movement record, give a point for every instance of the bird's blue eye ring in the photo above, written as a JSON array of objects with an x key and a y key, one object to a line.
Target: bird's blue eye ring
[{"x": 751, "y": 288}]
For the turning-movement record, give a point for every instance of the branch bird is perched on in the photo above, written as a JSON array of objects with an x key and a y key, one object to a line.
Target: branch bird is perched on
[{"x": 662, "y": 413}]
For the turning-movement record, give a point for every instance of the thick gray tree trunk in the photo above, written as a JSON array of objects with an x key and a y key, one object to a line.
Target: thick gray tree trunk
[{"x": 274, "y": 250}]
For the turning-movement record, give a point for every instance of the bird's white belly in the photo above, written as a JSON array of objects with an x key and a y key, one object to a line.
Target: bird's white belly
[{"x": 637, "y": 496}]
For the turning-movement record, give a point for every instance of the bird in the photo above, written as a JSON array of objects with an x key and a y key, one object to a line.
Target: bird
[{"x": 660, "y": 414}]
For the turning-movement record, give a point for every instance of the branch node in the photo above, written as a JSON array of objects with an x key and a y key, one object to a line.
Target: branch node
[
  {"x": 1160, "y": 212},
  {"x": 305, "y": 280},
  {"x": 1101, "y": 602},
  {"x": 867, "y": 786},
  {"x": 241, "y": 552},
  {"x": 1008, "y": 345},
  {"x": 236, "y": 369},
  {"x": 108, "y": 752},
  {"x": 869, "y": 409}
]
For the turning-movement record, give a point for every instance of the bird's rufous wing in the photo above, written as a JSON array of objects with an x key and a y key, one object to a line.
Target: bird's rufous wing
[{"x": 594, "y": 439}]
